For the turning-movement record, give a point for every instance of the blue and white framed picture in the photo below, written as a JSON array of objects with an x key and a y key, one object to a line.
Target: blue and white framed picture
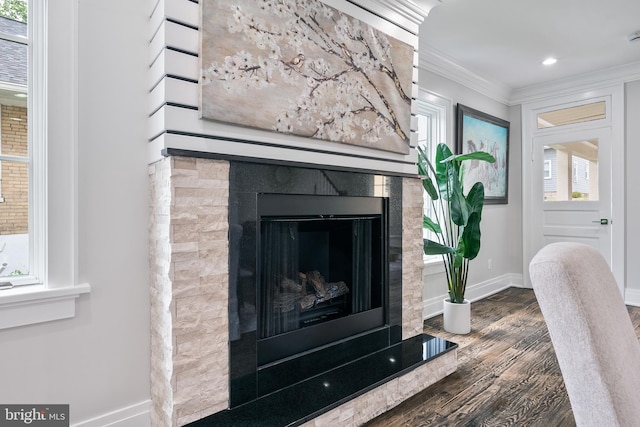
[{"x": 478, "y": 131}]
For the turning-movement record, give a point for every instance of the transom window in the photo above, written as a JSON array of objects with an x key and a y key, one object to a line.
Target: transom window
[{"x": 572, "y": 115}]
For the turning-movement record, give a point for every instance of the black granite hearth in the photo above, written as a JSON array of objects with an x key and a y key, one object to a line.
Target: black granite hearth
[{"x": 320, "y": 393}]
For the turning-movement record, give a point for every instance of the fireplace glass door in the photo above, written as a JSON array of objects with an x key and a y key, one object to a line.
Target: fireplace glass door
[{"x": 322, "y": 273}]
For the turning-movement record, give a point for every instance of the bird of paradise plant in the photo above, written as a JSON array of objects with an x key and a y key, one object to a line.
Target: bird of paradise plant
[{"x": 455, "y": 219}]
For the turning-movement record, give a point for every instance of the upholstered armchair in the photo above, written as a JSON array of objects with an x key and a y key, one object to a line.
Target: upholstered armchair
[{"x": 591, "y": 332}]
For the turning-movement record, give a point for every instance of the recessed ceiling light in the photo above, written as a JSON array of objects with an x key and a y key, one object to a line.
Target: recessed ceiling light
[
  {"x": 549, "y": 61},
  {"x": 20, "y": 95}
]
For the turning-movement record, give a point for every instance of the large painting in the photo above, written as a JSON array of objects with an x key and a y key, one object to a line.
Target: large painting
[
  {"x": 304, "y": 68},
  {"x": 478, "y": 131}
]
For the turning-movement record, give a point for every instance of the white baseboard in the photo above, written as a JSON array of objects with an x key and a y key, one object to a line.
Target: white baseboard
[
  {"x": 433, "y": 306},
  {"x": 632, "y": 297},
  {"x": 136, "y": 415}
]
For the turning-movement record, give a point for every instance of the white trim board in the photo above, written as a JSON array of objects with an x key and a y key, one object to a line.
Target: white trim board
[
  {"x": 632, "y": 297},
  {"x": 136, "y": 415},
  {"x": 433, "y": 306}
]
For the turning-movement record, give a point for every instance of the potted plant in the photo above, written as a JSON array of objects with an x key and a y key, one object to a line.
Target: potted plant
[{"x": 455, "y": 223}]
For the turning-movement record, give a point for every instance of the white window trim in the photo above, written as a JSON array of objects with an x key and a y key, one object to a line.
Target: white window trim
[
  {"x": 550, "y": 172},
  {"x": 52, "y": 118}
]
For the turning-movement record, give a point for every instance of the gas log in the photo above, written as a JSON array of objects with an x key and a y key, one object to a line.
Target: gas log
[{"x": 307, "y": 291}]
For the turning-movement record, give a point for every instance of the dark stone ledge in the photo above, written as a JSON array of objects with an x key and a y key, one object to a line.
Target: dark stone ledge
[{"x": 308, "y": 399}]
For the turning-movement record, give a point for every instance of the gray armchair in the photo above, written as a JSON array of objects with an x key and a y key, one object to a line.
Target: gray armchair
[{"x": 591, "y": 332}]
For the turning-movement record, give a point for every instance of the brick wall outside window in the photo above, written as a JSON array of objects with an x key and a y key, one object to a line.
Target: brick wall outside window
[{"x": 14, "y": 186}]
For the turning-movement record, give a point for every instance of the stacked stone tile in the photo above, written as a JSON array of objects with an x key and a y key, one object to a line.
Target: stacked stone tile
[{"x": 189, "y": 289}]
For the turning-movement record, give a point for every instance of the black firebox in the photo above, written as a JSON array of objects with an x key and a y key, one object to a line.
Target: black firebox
[{"x": 322, "y": 271}]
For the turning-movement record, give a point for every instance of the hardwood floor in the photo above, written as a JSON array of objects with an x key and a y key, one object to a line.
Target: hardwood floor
[{"x": 507, "y": 375}]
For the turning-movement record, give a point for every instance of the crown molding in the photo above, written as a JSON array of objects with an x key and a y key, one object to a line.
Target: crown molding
[
  {"x": 407, "y": 14},
  {"x": 578, "y": 83},
  {"x": 438, "y": 63}
]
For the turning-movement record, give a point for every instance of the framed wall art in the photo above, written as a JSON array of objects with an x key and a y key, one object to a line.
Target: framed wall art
[
  {"x": 307, "y": 69},
  {"x": 478, "y": 131}
]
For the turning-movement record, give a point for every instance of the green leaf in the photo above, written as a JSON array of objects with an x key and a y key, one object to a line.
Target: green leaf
[
  {"x": 449, "y": 185},
  {"x": 476, "y": 155},
  {"x": 459, "y": 209},
  {"x": 471, "y": 236},
  {"x": 475, "y": 199},
  {"x": 471, "y": 233},
  {"x": 435, "y": 248},
  {"x": 431, "y": 225},
  {"x": 446, "y": 173},
  {"x": 424, "y": 165},
  {"x": 427, "y": 184},
  {"x": 459, "y": 254}
]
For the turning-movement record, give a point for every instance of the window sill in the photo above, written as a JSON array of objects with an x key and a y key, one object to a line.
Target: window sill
[{"x": 26, "y": 305}]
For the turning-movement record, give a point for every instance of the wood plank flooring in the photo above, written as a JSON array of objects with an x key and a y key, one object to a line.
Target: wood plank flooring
[{"x": 507, "y": 374}]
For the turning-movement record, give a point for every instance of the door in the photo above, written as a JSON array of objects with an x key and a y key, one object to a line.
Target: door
[
  {"x": 572, "y": 189},
  {"x": 573, "y": 175}
]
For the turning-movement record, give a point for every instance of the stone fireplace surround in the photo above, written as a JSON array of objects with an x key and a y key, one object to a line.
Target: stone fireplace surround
[{"x": 189, "y": 251}]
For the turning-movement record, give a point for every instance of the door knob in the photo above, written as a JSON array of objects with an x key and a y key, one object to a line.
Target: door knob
[{"x": 602, "y": 221}]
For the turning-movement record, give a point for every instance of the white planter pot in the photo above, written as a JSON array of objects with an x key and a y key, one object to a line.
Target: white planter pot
[{"x": 457, "y": 317}]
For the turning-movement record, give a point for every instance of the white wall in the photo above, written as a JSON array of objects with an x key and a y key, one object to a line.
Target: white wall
[
  {"x": 501, "y": 224},
  {"x": 98, "y": 362},
  {"x": 632, "y": 143}
]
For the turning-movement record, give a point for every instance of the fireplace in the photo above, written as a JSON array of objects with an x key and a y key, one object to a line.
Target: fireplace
[
  {"x": 317, "y": 272},
  {"x": 221, "y": 353},
  {"x": 209, "y": 365},
  {"x": 321, "y": 271}
]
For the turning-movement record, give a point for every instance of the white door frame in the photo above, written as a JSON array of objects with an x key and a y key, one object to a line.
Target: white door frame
[{"x": 614, "y": 95}]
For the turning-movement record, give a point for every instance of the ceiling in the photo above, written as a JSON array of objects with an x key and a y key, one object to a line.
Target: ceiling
[{"x": 505, "y": 41}]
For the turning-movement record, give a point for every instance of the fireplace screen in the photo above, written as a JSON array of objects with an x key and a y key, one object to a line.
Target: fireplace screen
[{"x": 319, "y": 267}]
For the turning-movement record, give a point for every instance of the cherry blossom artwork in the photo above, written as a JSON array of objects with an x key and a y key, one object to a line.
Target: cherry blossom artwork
[{"x": 304, "y": 68}]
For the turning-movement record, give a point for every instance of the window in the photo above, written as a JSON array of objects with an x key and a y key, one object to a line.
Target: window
[
  {"x": 433, "y": 122},
  {"x": 572, "y": 115},
  {"x": 15, "y": 162},
  {"x": 37, "y": 285},
  {"x": 547, "y": 169}
]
